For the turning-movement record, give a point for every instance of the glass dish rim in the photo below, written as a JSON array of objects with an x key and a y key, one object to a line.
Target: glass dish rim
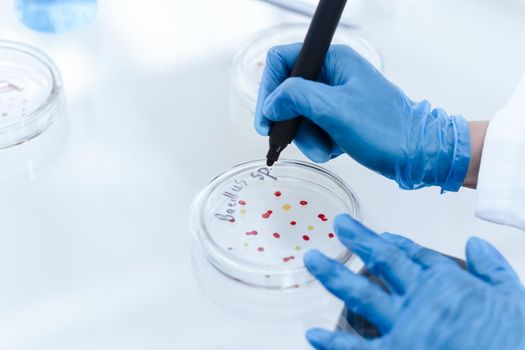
[
  {"x": 51, "y": 100},
  {"x": 219, "y": 257}
]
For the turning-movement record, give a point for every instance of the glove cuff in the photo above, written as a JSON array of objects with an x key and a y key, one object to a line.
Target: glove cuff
[
  {"x": 437, "y": 152},
  {"x": 460, "y": 154}
]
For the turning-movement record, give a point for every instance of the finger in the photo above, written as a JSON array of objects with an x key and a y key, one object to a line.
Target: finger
[
  {"x": 279, "y": 64},
  {"x": 336, "y": 151},
  {"x": 315, "y": 143},
  {"x": 487, "y": 263},
  {"x": 421, "y": 255},
  {"x": 359, "y": 294},
  {"x": 325, "y": 340},
  {"x": 296, "y": 96},
  {"x": 381, "y": 257}
]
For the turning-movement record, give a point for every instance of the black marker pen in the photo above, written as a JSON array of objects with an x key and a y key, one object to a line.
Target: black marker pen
[{"x": 308, "y": 65}]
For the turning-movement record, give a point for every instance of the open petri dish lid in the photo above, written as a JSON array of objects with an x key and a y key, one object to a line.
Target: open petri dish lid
[
  {"x": 255, "y": 223},
  {"x": 30, "y": 93}
]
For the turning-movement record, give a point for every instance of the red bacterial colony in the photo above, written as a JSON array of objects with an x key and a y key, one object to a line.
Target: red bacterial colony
[
  {"x": 293, "y": 223},
  {"x": 251, "y": 233},
  {"x": 288, "y": 258},
  {"x": 241, "y": 202},
  {"x": 278, "y": 194},
  {"x": 267, "y": 214},
  {"x": 303, "y": 202},
  {"x": 306, "y": 238},
  {"x": 276, "y": 235},
  {"x": 322, "y": 217},
  {"x": 260, "y": 249},
  {"x": 330, "y": 235}
]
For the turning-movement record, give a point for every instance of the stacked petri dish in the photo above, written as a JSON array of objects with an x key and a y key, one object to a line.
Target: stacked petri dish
[
  {"x": 32, "y": 120},
  {"x": 249, "y": 61},
  {"x": 252, "y": 226}
]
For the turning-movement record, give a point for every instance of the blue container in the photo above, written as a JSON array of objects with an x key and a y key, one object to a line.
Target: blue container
[{"x": 56, "y": 16}]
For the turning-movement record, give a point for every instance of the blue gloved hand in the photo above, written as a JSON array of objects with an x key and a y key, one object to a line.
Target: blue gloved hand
[
  {"x": 355, "y": 109},
  {"x": 433, "y": 303}
]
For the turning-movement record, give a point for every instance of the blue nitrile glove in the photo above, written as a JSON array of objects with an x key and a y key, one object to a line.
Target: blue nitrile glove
[
  {"x": 355, "y": 109},
  {"x": 56, "y": 16},
  {"x": 433, "y": 303}
]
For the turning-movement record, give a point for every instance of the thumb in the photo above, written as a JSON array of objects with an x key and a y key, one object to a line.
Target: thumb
[
  {"x": 484, "y": 261},
  {"x": 300, "y": 97}
]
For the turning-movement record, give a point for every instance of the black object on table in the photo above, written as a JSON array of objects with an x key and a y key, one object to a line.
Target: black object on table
[{"x": 308, "y": 66}]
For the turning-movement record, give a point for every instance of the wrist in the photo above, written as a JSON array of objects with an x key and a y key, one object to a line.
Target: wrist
[{"x": 477, "y": 131}]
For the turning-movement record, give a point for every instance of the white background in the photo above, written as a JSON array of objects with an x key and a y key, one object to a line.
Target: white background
[{"x": 95, "y": 254}]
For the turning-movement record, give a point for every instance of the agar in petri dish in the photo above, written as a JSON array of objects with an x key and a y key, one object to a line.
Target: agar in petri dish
[
  {"x": 249, "y": 60},
  {"x": 255, "y": 223}
]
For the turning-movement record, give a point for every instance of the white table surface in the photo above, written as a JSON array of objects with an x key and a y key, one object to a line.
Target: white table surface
[{"x": 96, "y": 253}]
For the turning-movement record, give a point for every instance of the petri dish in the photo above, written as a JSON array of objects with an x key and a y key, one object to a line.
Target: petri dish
[
  {"x": 32, "y": 120},
  {"x": 243, "y": 305},
  {"x": 249, "y": 60},
  {"x": 30, "y": 93},
  {"x": 254, "y": 223}
]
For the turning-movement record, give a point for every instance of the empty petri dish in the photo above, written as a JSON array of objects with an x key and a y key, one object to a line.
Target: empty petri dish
[
  {"x": 249, "y": 60},
  {"x": 31, "y": 102},
  {"x": 254, "y": 223}
]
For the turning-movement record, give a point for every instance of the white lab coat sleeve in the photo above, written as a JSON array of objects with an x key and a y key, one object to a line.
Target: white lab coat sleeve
[{"x": 501, "y": 180}]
